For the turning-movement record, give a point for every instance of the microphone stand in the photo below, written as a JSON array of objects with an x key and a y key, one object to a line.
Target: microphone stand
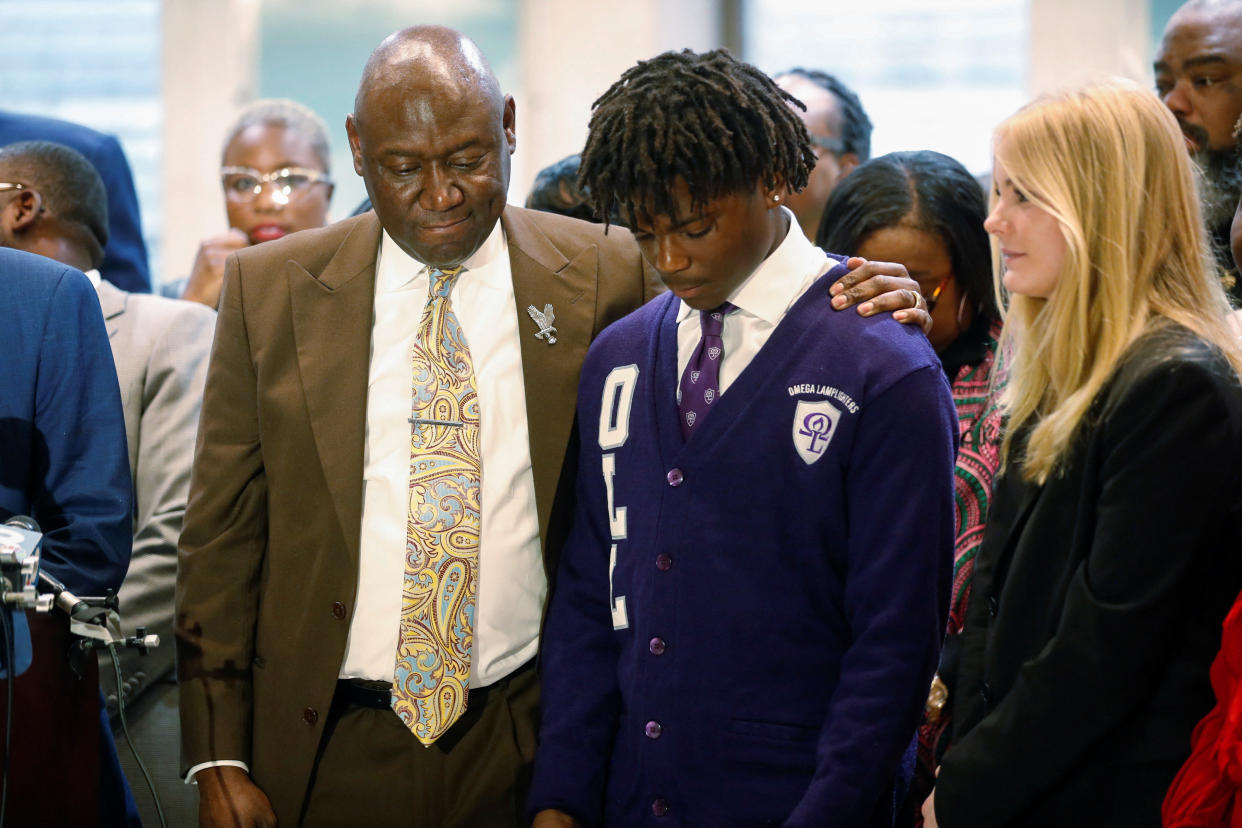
[{"x": 96, "y": 625}]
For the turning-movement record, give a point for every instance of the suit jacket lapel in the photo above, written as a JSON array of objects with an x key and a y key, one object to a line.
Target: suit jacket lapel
[
  {"x": 542, "y": 275},
  {"x": 332, "y": 330}
]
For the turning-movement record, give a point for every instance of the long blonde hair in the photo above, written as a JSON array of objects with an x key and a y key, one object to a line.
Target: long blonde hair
[{"x": 1108, "y": 162}]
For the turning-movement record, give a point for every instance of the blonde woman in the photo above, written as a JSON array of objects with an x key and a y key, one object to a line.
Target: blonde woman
[{"x": 1113, "y": 550}]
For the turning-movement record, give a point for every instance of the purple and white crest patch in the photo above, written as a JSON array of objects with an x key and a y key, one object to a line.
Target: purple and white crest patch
[{"x": 813, "y": 426}]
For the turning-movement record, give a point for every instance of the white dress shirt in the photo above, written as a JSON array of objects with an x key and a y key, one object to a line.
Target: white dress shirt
[
  {"x": 762, "y": 301},
  {"x": 511, "y": 581}
]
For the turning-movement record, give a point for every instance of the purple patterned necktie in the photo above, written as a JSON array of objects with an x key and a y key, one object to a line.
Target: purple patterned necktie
[{"x": 700, "y": 382}]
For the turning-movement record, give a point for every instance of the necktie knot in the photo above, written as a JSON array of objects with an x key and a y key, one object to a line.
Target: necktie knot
[
  {"x": 712, "y": 321},
  {"x": 442, "y": 280}
]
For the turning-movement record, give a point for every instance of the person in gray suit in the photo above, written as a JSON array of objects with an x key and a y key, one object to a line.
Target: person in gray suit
[{"x": 160, "y": 347}]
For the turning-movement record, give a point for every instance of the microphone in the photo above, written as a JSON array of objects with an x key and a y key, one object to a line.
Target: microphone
[
  {"x": 53, "y": 592},
  {"x": 62, "y": 598},
  {"x": 24, "y": 522},
  {"x": 20, "y": 545},
  {"x": 95, "y": 619}
]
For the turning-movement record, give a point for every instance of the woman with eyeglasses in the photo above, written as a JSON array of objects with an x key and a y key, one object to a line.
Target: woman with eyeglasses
[
  {"x": 925, "y": 210},
  {"x": 275, "y": 175}
]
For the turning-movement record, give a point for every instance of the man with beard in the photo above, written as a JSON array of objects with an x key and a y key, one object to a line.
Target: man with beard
[{"x": 1199, "y": 77}]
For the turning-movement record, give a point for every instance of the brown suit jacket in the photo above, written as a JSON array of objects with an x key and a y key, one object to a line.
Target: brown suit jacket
[{"x": 269, "y": 554}]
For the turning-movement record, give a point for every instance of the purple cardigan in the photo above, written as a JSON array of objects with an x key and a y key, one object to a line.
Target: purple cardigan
[{"x": 759, "y": 648}]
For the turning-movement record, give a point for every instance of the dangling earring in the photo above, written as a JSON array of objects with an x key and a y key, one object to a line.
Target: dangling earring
[{"x": 961, "y": 312}]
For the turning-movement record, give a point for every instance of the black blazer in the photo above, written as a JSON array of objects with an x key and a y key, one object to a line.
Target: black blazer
[{"x": 1097, "y": 604}]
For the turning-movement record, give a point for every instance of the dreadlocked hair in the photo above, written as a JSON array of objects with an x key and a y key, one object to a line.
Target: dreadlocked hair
[{"x": 719, "y": 124}]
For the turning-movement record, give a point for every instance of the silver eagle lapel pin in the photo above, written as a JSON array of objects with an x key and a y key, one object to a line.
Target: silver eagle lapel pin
[{"x": 544, "y": 320}]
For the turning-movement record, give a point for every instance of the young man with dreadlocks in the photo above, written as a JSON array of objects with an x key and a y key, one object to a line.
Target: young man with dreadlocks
[{"x": 749, "y": 608}]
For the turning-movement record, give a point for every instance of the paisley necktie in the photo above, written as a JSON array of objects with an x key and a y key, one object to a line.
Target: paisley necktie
[
  {"x": 432, "y": 678},
  {"x": 700, "y": 382}
]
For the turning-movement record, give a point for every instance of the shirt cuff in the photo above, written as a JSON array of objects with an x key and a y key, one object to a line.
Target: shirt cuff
[{"x": 219, "y": 763}]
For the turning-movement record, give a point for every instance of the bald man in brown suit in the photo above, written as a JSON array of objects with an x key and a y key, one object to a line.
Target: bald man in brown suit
[{"x": 271, "y": 550}]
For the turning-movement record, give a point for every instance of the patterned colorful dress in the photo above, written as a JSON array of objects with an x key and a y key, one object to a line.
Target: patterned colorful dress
[{"x": 978, "y": 460}]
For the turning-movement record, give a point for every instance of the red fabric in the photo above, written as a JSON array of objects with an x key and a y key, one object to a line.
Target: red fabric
[
  {"x": 54, "y": 772},
  {"x": 1207, "y": 792}
]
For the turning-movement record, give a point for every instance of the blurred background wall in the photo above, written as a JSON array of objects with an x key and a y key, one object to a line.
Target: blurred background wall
[{"x": 167, "y": 76}]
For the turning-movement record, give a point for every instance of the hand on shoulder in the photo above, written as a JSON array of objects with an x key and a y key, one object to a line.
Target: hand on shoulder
[{"x": 877, "y": 287}]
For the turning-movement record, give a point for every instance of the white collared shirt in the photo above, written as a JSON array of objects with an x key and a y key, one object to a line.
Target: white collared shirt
[
  {"x": 511, "y": 583},
  {"x": 762, "y": 301}
]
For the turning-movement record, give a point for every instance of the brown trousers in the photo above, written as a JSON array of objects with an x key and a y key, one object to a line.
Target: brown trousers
[{"x": 372, "y": 771}]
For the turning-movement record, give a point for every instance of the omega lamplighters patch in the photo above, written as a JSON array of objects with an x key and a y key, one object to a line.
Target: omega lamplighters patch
[{"x": 815, "y": 421}]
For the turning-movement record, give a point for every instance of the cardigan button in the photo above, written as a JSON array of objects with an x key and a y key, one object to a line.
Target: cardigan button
[
  {"x": 310, "y": 715},
  {"x": 653, "y": 729},
  {"x": 338, "y": 611},
  {"x": 663, "y": 562},
  {"x": 675, "y": 477},
  {"x": 659, "y": 807},
  {"x": 993, "y": 606},
  {"x": 656, "y": 646}
]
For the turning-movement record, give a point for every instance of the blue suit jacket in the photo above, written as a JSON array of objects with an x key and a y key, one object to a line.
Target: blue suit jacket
[
  {"x": 63, "y": 459},
  {"x": 125, "y": 256}
]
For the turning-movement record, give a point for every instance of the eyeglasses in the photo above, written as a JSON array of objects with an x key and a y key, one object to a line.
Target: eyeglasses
[
  {"x": 934, "y": 296},
  {"x": 243, "y": 184},
  {"x": 834, "y": 145}
]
